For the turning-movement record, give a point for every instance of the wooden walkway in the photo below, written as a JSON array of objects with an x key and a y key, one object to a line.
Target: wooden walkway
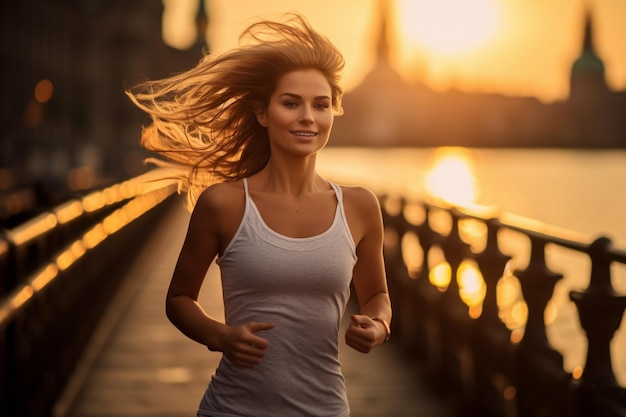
[{"x": 139, "y": 365}]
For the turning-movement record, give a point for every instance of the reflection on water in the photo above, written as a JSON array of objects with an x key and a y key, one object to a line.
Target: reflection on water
[
  {"x": 571, "y": 189},
  {"x": 451, "y": 176}
]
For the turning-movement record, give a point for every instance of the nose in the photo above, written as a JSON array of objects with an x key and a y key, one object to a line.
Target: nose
[{"x": 306, "y": 116}]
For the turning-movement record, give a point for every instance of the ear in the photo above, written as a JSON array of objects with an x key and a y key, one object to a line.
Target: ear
[{"x": 261, "y": 117}]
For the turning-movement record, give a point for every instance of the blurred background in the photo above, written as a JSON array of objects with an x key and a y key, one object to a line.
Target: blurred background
[
  {"x": 516, "y": 104},
  {"x": 479, "y": 76}
]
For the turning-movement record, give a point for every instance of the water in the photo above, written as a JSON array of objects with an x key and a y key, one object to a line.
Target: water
[{"x": 582, "y": 191}]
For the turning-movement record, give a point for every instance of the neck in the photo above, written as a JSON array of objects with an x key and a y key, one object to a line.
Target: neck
[{"x": 290, "y": 177}]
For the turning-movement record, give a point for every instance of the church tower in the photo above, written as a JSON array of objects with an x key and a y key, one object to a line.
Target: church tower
[{"x": 587, "y": 75}]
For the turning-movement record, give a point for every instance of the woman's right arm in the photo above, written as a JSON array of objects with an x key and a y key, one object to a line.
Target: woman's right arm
[
  {"x": 200, "y": 247},
  {"x": 198, "y": 251}
]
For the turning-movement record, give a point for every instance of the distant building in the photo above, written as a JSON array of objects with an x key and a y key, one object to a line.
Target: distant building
[{"x": 386, "y": 111}]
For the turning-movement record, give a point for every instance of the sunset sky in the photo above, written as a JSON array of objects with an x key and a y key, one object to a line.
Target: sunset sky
[{"x": 516, "y": 47}]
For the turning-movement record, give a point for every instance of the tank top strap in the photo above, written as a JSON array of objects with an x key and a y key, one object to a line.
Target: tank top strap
[
  {"x": 341, "y": 213},
  {"x": 245, "y": 187}
]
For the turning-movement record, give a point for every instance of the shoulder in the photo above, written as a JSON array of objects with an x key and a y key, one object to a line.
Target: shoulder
[
  {"x": 220, "y": 196},
  {"x": 220, "y": 203},
  {"x": 360, "y": 199},
  {"x": 363, "y": 213},
  {"x": 219, "y": 210}
]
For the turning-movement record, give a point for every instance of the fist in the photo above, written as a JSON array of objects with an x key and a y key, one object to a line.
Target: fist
[
  {"x": 243, "y": 346},
  {"x": 363, "y": 333}
]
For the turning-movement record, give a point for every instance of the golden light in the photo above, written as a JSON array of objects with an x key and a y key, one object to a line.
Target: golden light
[
  {"x": 519, "y": 312},
  {"x": 16, "y": 302},
  {"x": 452, "y": 177},
  {"x": 517, "y": 335},
  {"x": 69, "y": 211},
  {"x": 440, "y": 275},
  {"x": 93, "y": 237},
  {"x": 93, "y": 201},
  {"x": 473, "y": 232},
  {"x": 448, "y": 27},
  {"x": 472, "y": 287},
  {"x": 511, "y": 303},
  {"x": 551, "y": 312},
  {"x": 412, "y": 253},
  {"x": 577, "y": 373},
  {"x": 44, "y": 277},
  {"x": 33, "y": 228},
  {"x": 71, "y": 255},
  {"x": 115, "y": 221}
]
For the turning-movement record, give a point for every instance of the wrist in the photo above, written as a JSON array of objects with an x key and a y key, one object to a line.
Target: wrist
[
  {"x": 216, "y": 340},
  {"x": 385, "y": 326}
]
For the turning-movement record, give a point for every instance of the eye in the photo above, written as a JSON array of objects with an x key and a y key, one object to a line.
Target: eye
[
  {"x": 290, "y": 104},
  {"x": 322, "y": 106}
]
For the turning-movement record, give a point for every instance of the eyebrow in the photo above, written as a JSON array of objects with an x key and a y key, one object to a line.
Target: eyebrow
[{"x": 300, "y": 97}]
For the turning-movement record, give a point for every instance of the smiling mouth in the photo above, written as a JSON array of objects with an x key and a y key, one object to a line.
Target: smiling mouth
[{"x": 305, "y": 134}]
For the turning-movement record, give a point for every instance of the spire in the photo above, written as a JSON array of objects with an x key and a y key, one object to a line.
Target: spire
[
  {"x": 588, "y": 69},
  {"x": 382, "y": 48},
  {"x": 588, "y": 40}
]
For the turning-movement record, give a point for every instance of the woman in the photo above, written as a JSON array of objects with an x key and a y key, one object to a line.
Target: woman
[{"x": 249, "y": 124}]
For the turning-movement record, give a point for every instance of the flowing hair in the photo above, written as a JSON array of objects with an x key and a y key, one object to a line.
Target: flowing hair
[{"x": 203, "y": 121}]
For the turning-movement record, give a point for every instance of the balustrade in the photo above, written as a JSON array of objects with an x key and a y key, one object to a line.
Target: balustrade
[
  {"x": 59, "y": 271},
  {"x": 491, "y": 369}
]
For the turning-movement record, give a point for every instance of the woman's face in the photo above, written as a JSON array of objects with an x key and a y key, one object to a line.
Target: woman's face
[{"x": 299, "y": 116}]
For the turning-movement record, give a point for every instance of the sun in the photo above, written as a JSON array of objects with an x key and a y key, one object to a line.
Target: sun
[{"x": 447, "y": 27}]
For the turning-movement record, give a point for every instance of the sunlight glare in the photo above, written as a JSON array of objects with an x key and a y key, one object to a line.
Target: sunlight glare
[
  {"x": 412, "y": 253},
  {"x": 448, "y": 27},
  {"x": 440, "y": 275},
  {"x": 451, "y": 177},
  {"x": 472, "y": 287}
]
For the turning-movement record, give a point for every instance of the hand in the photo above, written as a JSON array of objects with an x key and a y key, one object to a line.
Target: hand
[
  {"x": 243, "y": 347},
  {"x": 363, "y": 333}
]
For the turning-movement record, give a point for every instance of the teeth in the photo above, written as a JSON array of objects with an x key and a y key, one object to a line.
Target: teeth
[{"x": 304, "y": 134}]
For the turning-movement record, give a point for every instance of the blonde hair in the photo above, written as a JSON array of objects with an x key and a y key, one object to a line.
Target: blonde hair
[{"x": 204, "y": 120}]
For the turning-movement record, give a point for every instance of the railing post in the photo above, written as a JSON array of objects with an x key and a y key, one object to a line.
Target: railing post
[
  {"x": 428, "y": 302},
  {"x": 400, "y": 284},
  {"x": 491, "y": 345},
  {"x": 542, "y": 384},
  {"x": 600, "y": 311},
  {"x": 456, "y": 323}
]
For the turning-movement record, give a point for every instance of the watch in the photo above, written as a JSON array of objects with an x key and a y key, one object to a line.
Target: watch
[{"x": 385, "y": 325}]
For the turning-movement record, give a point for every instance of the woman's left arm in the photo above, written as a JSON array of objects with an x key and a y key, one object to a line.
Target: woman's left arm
[{"x": 370, "y": 328}]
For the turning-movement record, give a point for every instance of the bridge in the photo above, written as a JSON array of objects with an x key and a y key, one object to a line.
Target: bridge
[{"x": 83, "y": 331}]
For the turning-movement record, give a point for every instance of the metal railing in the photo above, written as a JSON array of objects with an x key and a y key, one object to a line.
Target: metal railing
[
  {"x": 490, "y": 368},
  {"x": 58, "y": 272}
]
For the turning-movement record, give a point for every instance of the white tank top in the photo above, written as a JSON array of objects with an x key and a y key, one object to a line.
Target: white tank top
[{"x": 301, "y": 285}]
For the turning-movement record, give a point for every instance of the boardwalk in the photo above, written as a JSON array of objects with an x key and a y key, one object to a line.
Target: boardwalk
[{"x": 139, "y": 365}]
